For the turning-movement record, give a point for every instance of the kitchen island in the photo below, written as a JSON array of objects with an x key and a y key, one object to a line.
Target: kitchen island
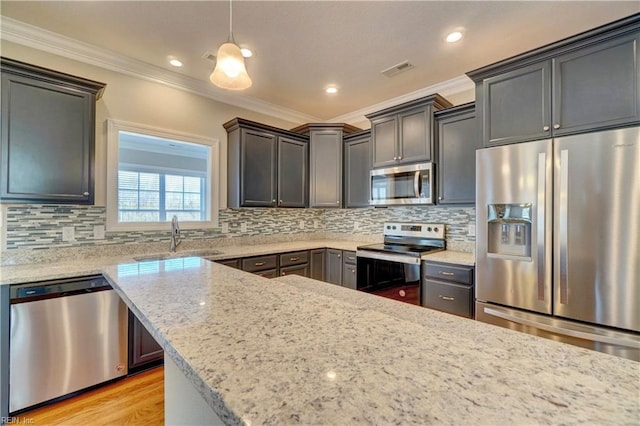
[{"x": 297, "y": 351}]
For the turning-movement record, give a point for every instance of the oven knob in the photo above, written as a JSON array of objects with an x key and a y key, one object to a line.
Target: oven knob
[
  {"x": 402, "y": 293},
  {"x": 393, "y": 227},
  {"x": 435, "y": 229},
  {"x": 388, "y": 227},
  {"x": 429, "y": 229}
]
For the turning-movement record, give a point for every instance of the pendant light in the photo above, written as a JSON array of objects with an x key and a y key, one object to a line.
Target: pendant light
[{"x": 230, "y": 72}]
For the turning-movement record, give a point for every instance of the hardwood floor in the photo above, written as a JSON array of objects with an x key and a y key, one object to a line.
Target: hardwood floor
[{"x": 136, "y": 400}]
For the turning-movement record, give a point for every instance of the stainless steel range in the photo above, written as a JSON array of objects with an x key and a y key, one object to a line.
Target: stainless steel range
[{"x": 392, "y": 269}]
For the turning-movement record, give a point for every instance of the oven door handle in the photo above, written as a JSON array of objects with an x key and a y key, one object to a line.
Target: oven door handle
[{"x": 411, "y": 260}]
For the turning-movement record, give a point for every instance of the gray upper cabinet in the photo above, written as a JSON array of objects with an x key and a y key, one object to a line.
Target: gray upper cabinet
[
  {"x": 516, "y": 105},
  {"x": 267, "y": 167},
  {"x": 48, "y": 135},
  {"x": 403, "y": 134},
  {"x": 587, "y": 82},
  {"x": 325, "y": 162},
  {"x": 457, "y": 141},
  {"x": 357, "y": 168},
  {"x": 293, "y": 157}
]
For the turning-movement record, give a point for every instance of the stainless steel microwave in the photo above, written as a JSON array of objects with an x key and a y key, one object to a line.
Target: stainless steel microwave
[{"x": 411, "y": 184}]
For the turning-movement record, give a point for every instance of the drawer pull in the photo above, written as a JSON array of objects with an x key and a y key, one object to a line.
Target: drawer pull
[
  {"x": 402, "y": 293},
  {"x": 284, "y": 273},
  {"x": 260, "y": 263},
  {"x": 353, "y": 271},
  {"x": 449, "y": 274},
  {"x": 293, "y": 259},
  {"x": 351, "y": 257},
  {"x": 447, "y": 298}
]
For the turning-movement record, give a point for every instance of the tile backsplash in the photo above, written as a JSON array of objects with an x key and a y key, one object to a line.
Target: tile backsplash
[{"x": 29, "y": 227}]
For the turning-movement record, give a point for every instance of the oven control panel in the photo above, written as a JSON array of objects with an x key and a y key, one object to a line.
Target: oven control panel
[{"x": 423, "y": 230}]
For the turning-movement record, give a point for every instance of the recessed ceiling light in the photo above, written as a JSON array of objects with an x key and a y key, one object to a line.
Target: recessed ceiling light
[
  {"x": 246, "y": 52},
  {"x": 331, "y": 90},
  {"x": 176, "y": 63},
  {"x": 454, "y": 36}
]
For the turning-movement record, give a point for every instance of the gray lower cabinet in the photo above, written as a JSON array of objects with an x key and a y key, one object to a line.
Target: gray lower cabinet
[
  {"x": 584, "y": 83},
  {"x": 357, "y": 169},
  {"x": 233, "y": 263},
  {"x": 457, "y": 142},
  {"x": 260, "y": 263},
  {"x": 47, "y": 137},
  {"x": 295, "y": 263},
  {"x": 448, "y": 288},
  {"x": 267, "y": 167},
  {"x": 349, "y": 272},
  {"x": 144, "y": 351},
  {"x": 317, "y": 264},
  {"x": 334, "y": 267}
]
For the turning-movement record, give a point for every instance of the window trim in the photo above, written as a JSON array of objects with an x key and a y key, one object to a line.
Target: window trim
[{"x": 212, "y": 185}]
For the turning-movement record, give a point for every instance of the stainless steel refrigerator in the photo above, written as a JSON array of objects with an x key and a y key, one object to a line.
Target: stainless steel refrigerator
[{"x": 558, "y": 239}]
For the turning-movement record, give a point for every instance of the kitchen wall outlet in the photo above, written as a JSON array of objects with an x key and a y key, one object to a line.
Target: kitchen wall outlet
[
  {"x": 301, "y": 224},
  {"x": 243, "y": 227},
  {"x": 471, "y": 231},
  {"x": 98, "y": 232},
  {"x": 68, "y": 233},
  {"x": 356, "y": 225},
  {"x": 316, "y": 224},
  {"x": 225, "y": 228}
]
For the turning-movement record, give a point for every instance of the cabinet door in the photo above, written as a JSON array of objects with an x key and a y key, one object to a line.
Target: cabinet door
[
  {"x": 349, "y": 275},
  {"x": 333, "y": 273},
  {"x": 384, "y": 135},
  {"x": 232, "y": 263},
  {"x": 357, "y": 169},
  {"x": 143, "y": 348},
  {"x": 258, "y": 171},
  {"x": 302, "y": 270},
  {"x": 326, "y": 168},
  {"x": 457, "y": 141},
  {"x": 47, "y": 142},
  {"x": 415, "y": 136},
  {"x": 317, "y": 264},
  {"x": 293, "y": 157},
  {"x": 516, "y": 106},
  {"x": 597, "y": 86}
]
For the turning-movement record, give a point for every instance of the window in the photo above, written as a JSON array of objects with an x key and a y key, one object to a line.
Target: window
[{"x": 154, "y": 174}]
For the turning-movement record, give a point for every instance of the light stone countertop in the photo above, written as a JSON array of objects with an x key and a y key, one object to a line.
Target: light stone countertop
[
  {"x": 23, "y": 273},
  {"x": 293, "y": 350}
]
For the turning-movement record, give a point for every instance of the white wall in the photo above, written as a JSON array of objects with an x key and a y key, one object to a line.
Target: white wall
[{"x": 140, "y": 101}]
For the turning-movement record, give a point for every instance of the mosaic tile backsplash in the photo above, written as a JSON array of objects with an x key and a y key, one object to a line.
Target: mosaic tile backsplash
[{"x": 40, "y": 226}]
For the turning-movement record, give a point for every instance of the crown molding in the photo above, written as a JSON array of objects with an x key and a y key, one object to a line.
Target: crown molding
[
  {"x": 445, "y": 88},
  {"x": 50, "y": 42}
]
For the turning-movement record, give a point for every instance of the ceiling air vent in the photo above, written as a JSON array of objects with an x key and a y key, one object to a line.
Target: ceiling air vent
[
  {"x": 209, "y": 55},
  {"x": 397, "y": 69}
]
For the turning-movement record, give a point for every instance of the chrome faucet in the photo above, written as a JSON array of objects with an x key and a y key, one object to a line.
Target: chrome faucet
[{"x": 175, "y": 234}]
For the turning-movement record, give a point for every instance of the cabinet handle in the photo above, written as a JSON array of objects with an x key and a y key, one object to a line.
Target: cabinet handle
[
  {"x": 447, "y": 298},
  {"x": 260, "y": 263},
  {"x": 280, "y": 201},
  {"x": 85, "y": 194},
  {"x": 338, "y": 202},
  {"x": 439, "y": 198},
  {"x": 400, "y": 158},
  {"x": 339, "y": 256},
  {"x": 351, "y": 257},
  {"x": 293, "y": 259},
  {"x": 402, "y": 293},
  {"x": 283, "y": 274},
  {"x": 545, "y": 128},
  {"x": 449, "y": 274},
  {"x": 353, "y": 270},
  {"x": 273, "y": 201},
  {"x": 556, "y": 126}
]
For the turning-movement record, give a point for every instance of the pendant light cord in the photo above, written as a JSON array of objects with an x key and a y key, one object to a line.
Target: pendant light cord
[{"x": 231, "y": 21}]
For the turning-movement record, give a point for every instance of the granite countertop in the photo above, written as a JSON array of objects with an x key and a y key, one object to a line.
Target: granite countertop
[
  {"x": 16, "y": 274},
  {"x": 297, "y": 351}
]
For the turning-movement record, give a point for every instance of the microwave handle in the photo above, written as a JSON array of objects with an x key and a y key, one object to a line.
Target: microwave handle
[{"x": 416, "y": 184}]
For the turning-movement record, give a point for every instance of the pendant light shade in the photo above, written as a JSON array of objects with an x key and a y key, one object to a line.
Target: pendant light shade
[{"x": 230, "y": 72}]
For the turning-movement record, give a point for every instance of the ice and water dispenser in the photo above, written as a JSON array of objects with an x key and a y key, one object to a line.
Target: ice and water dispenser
[{"x": 509, "y": 228}]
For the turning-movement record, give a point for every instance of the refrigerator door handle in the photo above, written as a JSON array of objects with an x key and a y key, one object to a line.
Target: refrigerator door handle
[
  {"x": 618, "y": 341},
  {"x": 541, "y": 212},
  {"x": 562, "y": 219}
]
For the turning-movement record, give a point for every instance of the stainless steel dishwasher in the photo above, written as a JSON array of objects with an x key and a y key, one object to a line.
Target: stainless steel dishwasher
[{"x": 66, "y": 335}]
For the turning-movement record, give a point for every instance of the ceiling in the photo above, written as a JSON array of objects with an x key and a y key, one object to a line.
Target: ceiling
[{"x": 302, "y": 46}]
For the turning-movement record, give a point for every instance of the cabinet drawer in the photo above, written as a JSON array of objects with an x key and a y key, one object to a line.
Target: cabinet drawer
[
  {"x": 452, "y": 298},
  {"x": 271, "y": 273},
  {"x": 302, "y": 270},
  {"x": 260, "y": 263},
  {"x": 458, "y": 274},
  {"x": 294, "y": 258},
  {"x": 234, "y": 263},
  {"x": 349, "y": 257}
]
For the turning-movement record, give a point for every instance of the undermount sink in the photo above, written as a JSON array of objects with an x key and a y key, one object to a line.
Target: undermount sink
[{"x": 165, "y": 256}]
